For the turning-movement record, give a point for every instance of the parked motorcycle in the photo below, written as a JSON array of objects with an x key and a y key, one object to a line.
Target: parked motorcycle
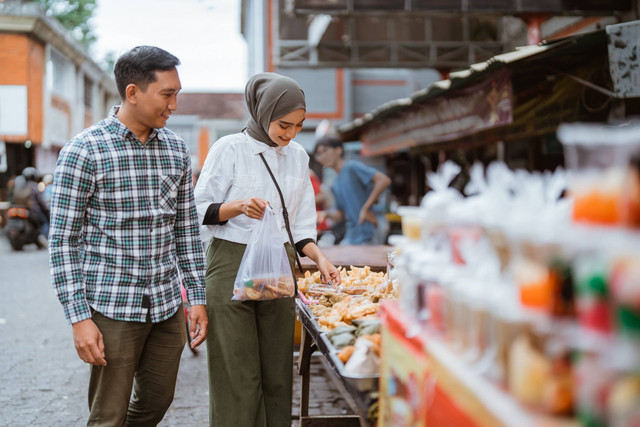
[{"x": 21, "y": 230}]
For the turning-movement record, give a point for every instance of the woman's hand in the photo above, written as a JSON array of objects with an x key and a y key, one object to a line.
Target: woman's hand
[
  {"x": 253, "y": 207},
  {"x": 328, "y": 271}
]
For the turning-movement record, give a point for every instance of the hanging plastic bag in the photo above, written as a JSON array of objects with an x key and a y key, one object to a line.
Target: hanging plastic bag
[{"x": 265, "y": 272}]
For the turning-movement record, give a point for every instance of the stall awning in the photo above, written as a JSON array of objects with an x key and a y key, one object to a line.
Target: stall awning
[{"x": 487, "y": 95}]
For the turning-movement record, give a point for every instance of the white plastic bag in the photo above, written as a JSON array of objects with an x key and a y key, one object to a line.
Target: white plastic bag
[{"x": 265, "y": 272}]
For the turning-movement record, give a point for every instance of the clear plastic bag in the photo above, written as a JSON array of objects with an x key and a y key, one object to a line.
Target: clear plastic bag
[{"x": 265, "y": 272}]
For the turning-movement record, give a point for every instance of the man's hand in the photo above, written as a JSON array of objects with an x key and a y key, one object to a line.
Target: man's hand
[
  {"x": 321, "y": 216},
  {"x": 367, "y": 215},
  {"x": 198, "y": 323},
  {"x": 89, "y": 343}
]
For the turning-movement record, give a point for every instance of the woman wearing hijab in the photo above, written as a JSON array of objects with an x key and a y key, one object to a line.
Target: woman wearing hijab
[{"x": 250, "y": 343}]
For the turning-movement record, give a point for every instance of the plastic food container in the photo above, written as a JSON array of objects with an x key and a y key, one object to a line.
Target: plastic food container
[
  {"x": 598, "y": 158},
  {"x": 412, "y": 221}
]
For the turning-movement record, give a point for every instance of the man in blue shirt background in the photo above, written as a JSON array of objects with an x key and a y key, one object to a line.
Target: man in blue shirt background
[{"x": 355, "y": 189}]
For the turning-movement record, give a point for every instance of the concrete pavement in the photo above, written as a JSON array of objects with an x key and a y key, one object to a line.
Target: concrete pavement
[{"x": 44, "y": 383}]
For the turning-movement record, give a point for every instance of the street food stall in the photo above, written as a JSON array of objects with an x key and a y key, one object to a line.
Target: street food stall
[
  {"x": 530, "y": 318},
  {"x": 361, "y": 266},
  {"x": 517, "y": 301}
]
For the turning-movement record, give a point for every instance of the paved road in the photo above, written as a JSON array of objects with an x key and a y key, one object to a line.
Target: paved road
[{"x": 44, "y": 383}]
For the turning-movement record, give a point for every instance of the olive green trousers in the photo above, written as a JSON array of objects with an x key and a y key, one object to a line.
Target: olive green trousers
[
  {"x": 249, "y": 348},
  {"x": 142, "y": 356}
]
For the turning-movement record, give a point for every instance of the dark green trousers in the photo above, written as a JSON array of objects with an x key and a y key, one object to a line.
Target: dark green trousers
[
  {"x": 142, "y": 356},
  {"x": 249, "y": 348}
]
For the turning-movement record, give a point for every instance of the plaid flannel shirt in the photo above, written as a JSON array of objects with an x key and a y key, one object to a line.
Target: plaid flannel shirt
[{"x": 124, "y": 225}]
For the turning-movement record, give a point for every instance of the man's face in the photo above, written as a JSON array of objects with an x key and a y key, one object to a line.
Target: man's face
[
  {"x": 159, "y": 100},
  {"x": 327, "y": 155}
]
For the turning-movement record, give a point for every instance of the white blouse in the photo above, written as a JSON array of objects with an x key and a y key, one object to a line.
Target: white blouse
[{"x": 233, "y": 170}]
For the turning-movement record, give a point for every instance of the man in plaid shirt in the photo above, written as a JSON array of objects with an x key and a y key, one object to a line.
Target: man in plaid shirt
[{"x": 124, "y": 237}]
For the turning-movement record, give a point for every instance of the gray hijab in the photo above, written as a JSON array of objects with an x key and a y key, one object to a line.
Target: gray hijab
[{"x": 270, "y": 96}]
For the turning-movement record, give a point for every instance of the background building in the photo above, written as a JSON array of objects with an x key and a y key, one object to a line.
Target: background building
[
  {"x": 50, "y": 89},
  {"x": 351, "y": 56},
  {"x": 361, "y": 58},
  {"x": 203, "y": 118}
]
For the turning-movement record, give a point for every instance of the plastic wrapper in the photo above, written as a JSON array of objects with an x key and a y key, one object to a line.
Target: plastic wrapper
[
  {"x": 363, "y": 361},
  {"x": 264, "y": 272},
  {"x": 317, "y": 290},
  {"x": 342, "y": 336},
  {"x": 367, "y": 326}
]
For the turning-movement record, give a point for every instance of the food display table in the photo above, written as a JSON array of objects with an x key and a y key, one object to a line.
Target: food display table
[
  {"x": 312, "y": 339},
  {"x": 358, "y": 388}
]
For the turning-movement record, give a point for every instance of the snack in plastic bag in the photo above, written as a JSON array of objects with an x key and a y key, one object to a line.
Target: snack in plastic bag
[
  {"x": 265, "y": 272},
  {"x": 363, "y": 360}
]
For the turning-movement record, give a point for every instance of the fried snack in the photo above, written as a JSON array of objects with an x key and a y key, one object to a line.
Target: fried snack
[
  {"x": 328, "y": 299},
  {"x": 317, "y": 290},
  {"x": 346, "y": 353},
  {"x": 355, "y": 290},
  {"x": 283, "y": 289},
  {"x": 265, "y": 289},
  {"x": 355, "y": 281},
  {"x": 361, "y": 311},
  {"x": 247, "y": 293},
  {"x": 357, "y": 297},
  {"x": 319, "y": 310},
  {"x": 308, "y": 280}
]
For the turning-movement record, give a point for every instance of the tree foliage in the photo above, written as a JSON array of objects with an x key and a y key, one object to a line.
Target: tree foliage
[{"x": 74, "y": 16}]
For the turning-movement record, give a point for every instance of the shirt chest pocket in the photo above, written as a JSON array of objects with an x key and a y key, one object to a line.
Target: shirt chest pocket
[{"x": 168, "y": 195}]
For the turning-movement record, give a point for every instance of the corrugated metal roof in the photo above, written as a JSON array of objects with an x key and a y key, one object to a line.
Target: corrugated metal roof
[{"x": 456, "y": 80}]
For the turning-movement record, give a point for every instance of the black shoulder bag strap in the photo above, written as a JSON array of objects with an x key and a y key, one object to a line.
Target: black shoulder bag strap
[{"x": 285, "y": 214}]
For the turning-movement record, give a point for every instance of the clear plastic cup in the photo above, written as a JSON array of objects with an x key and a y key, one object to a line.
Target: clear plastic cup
[{"x": 598, "y": 158}]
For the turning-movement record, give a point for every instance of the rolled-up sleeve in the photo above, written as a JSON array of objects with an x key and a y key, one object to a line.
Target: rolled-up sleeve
[{"x": 73, "y": 185}]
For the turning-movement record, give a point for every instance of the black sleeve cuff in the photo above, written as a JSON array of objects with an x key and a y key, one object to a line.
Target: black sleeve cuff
[
  {"x": 301, "y": 244},
  {"x": 212, "y": 217}
]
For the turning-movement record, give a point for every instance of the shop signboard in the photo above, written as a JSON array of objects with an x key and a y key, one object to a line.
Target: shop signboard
[
  {"x": 623, "y": 43},
  {"x": 461, "y": 112}
]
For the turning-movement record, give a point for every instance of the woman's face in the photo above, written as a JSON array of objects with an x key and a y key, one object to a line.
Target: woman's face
[{"x": 285, "y": 128}]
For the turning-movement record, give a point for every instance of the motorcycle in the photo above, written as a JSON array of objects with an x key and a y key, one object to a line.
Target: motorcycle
[{"x": 21, "y": 230}]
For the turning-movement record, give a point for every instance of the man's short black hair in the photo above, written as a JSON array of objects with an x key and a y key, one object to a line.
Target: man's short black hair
[
  {"x": 139, "y": 66},
  {"x": 329, "y": 141}
]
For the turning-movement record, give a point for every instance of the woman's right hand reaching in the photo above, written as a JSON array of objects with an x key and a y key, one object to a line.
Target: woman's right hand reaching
[{"x": 253, "y": 207}]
